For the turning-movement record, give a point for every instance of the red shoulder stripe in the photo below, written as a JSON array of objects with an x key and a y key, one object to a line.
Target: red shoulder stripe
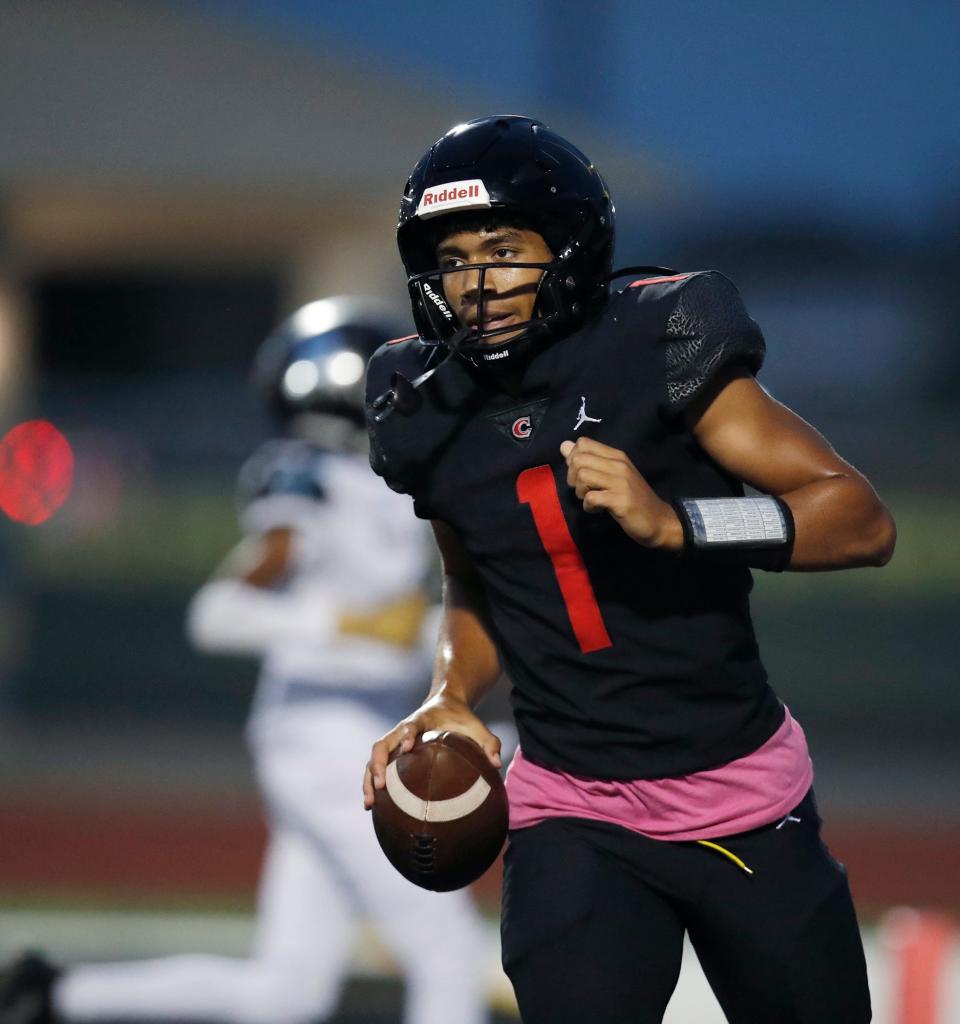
[
  {"x": 407, "y": 337},
  {"x": 657, "y": 280}
]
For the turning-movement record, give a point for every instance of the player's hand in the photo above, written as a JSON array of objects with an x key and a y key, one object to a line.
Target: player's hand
[
  {"x": 605, "y": 480},
  {"x": 441, "y": 713}
]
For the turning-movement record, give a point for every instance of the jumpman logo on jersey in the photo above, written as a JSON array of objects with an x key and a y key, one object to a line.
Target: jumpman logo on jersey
[{"x": 582, "y": 416}]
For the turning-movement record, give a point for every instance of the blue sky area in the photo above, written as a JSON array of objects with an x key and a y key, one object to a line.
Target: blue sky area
[{"x": 852, "y": 107}]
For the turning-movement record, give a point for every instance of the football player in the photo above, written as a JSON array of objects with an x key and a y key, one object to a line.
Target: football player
[
  {"x": 327, "y": 589},
  {"x": 583, "y": 455}
]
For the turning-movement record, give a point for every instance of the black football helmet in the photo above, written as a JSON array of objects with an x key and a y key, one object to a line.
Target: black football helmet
[
  {"x": 314, "y": 362},
  {"x": 534, "y": 177}
]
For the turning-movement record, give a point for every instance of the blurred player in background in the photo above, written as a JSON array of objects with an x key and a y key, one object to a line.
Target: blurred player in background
[{"x": 328, "y": 587}]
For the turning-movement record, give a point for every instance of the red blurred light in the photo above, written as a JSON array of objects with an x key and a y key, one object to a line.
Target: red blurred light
[{"x": 36, "y": 471}]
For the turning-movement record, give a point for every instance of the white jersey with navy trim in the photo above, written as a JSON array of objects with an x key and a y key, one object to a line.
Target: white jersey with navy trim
[{"x": 356, "y": 547}]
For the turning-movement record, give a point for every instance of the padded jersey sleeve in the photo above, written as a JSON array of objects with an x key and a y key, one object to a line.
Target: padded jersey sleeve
[
  {"x": 380, "y": 369},
  {"x": 708, "y": 330},
  {"x": 396, "y": 445}
]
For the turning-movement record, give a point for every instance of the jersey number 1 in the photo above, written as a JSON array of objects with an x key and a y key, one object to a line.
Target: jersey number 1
[{"x": 537, "y": 488}]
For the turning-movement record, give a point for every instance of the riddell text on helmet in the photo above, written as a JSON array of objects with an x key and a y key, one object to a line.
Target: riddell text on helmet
[
  {"x": 457, "y": 195},
  {"x": 437, "y": 301}
]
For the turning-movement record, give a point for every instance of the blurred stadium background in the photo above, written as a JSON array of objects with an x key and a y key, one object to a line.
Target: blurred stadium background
[{"x": 177, "y": 176}]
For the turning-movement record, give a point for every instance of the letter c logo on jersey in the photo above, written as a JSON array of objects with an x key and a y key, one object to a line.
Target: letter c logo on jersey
[
  {"x": 521, "y": 428},
  {"x": 520, "y": 423}
]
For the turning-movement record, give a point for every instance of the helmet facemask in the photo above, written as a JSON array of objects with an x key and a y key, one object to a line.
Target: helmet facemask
[
  {"x": 563, "y": 296},
  {"x": 480, "y": 344}
]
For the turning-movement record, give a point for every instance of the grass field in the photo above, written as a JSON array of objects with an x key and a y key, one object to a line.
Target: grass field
[{"x": 373, "y": 993}]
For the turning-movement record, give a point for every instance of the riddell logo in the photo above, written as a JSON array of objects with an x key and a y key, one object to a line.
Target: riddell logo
[
  {"x": 450, "y": 195},
  {"x": 437, "y": 301},
  {"x": 490, "y": 356},
  {"x": 457, "y": 195}
]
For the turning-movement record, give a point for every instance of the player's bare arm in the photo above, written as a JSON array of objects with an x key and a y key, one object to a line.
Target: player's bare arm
[
  {"x": 465, "y": 669},
  {"x": 241, "y": 606},
  {"x": 264, "y": 562},
  {"x": 840, "y": 521},
  {"x": 261, "y": 561},
  {"x": 227, "y": 613}
]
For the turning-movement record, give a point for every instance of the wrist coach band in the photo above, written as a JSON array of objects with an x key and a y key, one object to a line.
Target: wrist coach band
[{"x": 757, "y": 531}]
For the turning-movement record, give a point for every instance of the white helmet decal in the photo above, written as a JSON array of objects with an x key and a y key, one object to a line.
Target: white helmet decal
[{"x": 456, "y": 195}]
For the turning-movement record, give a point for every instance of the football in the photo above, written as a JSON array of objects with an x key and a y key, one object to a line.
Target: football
[{"x": 441, "y": 818}]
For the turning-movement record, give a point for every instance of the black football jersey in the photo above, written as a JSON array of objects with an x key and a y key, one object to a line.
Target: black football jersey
[{"x": 626, "y": 663}]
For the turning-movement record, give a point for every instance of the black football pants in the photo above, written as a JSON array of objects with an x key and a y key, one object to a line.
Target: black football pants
[{"x": 594, "y": 916}]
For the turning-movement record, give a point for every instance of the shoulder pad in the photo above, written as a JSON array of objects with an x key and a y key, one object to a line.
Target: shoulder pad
[
  {"x": 281, "y": 467},
  {"x": 409, "y": 356},
  {"x": 708, "y": 329}
]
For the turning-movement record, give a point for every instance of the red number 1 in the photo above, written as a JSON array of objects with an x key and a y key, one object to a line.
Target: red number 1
[{"x": 537, "y": 488}]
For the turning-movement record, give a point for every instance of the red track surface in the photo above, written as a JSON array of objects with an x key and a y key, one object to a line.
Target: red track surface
[{"x": 165, "y": 849}]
